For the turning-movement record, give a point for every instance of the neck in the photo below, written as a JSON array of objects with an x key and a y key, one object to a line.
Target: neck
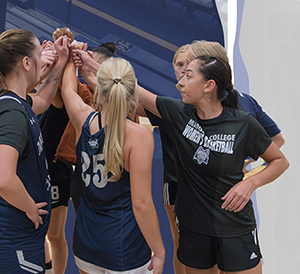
[
  {"x": 17, "y": 85},
  {"x": 103, "y": 115},
  {"x": 209, "y": 110}
]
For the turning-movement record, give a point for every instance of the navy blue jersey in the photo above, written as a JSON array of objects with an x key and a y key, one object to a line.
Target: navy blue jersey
[
  {"x": 17, "y": 231},
  {"x": 249, "y": 104},
  {"x": 106, "y": 233}
]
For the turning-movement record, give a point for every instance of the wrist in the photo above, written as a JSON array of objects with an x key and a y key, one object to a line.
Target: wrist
[
  {"x": 160, "y": 254},
  {"x": 93, "y": 66}
]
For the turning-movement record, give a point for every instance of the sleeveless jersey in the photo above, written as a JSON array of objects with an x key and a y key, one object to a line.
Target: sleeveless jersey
[
  {"x": 106, "y": 233},
  {"x": 209, "y": 161},
  {"x": 17, "y": 231}
]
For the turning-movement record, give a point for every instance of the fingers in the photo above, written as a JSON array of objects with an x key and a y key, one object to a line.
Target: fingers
[
  {"x": 150, "y": 267},
  {"x": 62, "y": 41},
  {"x": 38, "y": 223},
  {"x": 90, "y": 53},
  {"x": 40, "y": 210},
  {"x": 80, "y": 46},
  {"x": 85, "y": 46},
  {"x": 42, "y": 204},
  {"x": 234, "y": 201},
  {"x": 61, "y": 32}
]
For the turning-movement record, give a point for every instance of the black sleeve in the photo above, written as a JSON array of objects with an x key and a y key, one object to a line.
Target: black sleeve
[
  {"x": 13, "y": 126},
  {"x": 154, "y": 120}
]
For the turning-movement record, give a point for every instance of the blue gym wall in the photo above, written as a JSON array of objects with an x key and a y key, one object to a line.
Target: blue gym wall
[{"x": 146, "y": 32}]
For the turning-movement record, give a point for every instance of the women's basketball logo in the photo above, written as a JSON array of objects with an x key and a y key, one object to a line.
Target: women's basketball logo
[{"x": 202, "y": 155}]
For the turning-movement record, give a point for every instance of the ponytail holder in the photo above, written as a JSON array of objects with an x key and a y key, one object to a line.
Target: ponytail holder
[
  {"x": 117, "y": 81},
  {"x": 230, "y": 88}
]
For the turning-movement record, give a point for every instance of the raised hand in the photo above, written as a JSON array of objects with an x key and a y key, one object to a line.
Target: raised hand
[{"x": 62, "y": 32}]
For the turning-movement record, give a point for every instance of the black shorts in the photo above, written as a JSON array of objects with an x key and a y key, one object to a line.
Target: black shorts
[
  {"x": 229, "y": 253},
  {"x": 60, "y": 192},
  {"x": 169, "y": 193}
]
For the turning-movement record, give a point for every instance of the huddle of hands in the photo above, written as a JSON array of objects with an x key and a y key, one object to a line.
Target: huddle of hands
[{"x": 63, "y": 48}]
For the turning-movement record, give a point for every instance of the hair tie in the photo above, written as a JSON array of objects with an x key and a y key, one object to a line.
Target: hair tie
[
  {"x": 230, "y": 88},
  {"x": 117, "y": 80}
]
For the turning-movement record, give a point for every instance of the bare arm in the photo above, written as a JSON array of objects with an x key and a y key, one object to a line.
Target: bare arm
[
  {"x": 237, "y": 197},
  {"x": 46, "y": 92},
  {"x": 89, "y": 78},
  {"x": 148, "y": 100},
  {"x": 12, "y": 189},
  {"x": 48, "y": 58},
  {"x": 278, "y": 140},
  {"x": 76, "y": 108},
  {"x": 142, "y": 204}
]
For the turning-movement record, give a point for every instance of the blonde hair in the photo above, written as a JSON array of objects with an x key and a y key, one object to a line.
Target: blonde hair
[
  {"x": 202, "y": 47},
  {"x": 116, "y": 90},
  {"x": 181, "y": 49}
]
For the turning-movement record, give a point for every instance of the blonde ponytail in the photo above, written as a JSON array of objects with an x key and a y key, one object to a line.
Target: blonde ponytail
[{"x": 116, "y": 88}]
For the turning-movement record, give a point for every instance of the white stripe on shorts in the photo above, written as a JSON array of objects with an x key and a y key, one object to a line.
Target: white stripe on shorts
[{"x": 166, "y": 197}]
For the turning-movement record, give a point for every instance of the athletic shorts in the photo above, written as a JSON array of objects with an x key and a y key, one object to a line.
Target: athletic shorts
[
  {"x": 60, "y": 192},
  {"x": 94, "y": 269},
  {"x": 169, "y": 193},
  {"x": 22, "y": 261},
  {"x": 229, "y": 253}
]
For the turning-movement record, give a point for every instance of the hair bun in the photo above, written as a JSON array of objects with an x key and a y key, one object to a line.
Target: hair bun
[{"x": 111, "y": 46}]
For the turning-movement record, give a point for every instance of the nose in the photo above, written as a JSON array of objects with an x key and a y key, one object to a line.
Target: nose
[
  {"x": 180, "y": 84},
  {"x": 184, "y": 67}
]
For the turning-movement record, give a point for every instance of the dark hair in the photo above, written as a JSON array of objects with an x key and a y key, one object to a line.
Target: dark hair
[
  {"x": 108, "y": 49},
  {"x": 14, "y": 45},
  {"x": 217, "y": 69}
]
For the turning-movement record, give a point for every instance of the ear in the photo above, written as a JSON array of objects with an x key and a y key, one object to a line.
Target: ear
[
  {"x": 210, "y": 86},
  {"x": 26, "y": 63}
]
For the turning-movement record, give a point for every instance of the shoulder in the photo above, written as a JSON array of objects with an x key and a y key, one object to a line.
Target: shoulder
[
  {"x": 238, "y": 114},
  {"x": 138, "y": 139},
  {"x": 168, "y": 106},
  {"x": 137, "y": 132},
  {"x": 13, "y": 106},
  {"x": 14, "y": 125},
  {"x": 138, "y": 146},
  {"x": 247, "y": 99},
  {"x": 163, "y": 100}
]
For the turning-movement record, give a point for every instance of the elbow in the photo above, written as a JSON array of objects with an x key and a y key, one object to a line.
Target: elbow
[
  {"x": 141, "y": 204},
  {"x": 286, "y": 164},
  {"x": 4, "y": 182}
]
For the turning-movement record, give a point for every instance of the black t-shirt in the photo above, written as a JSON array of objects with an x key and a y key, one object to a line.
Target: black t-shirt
[
  {"x": 167, "y": 148},
  {"x": 53, "y": 123},
  {"x": 209, "y": 157},
  {"x": 13, "y": 124}
]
